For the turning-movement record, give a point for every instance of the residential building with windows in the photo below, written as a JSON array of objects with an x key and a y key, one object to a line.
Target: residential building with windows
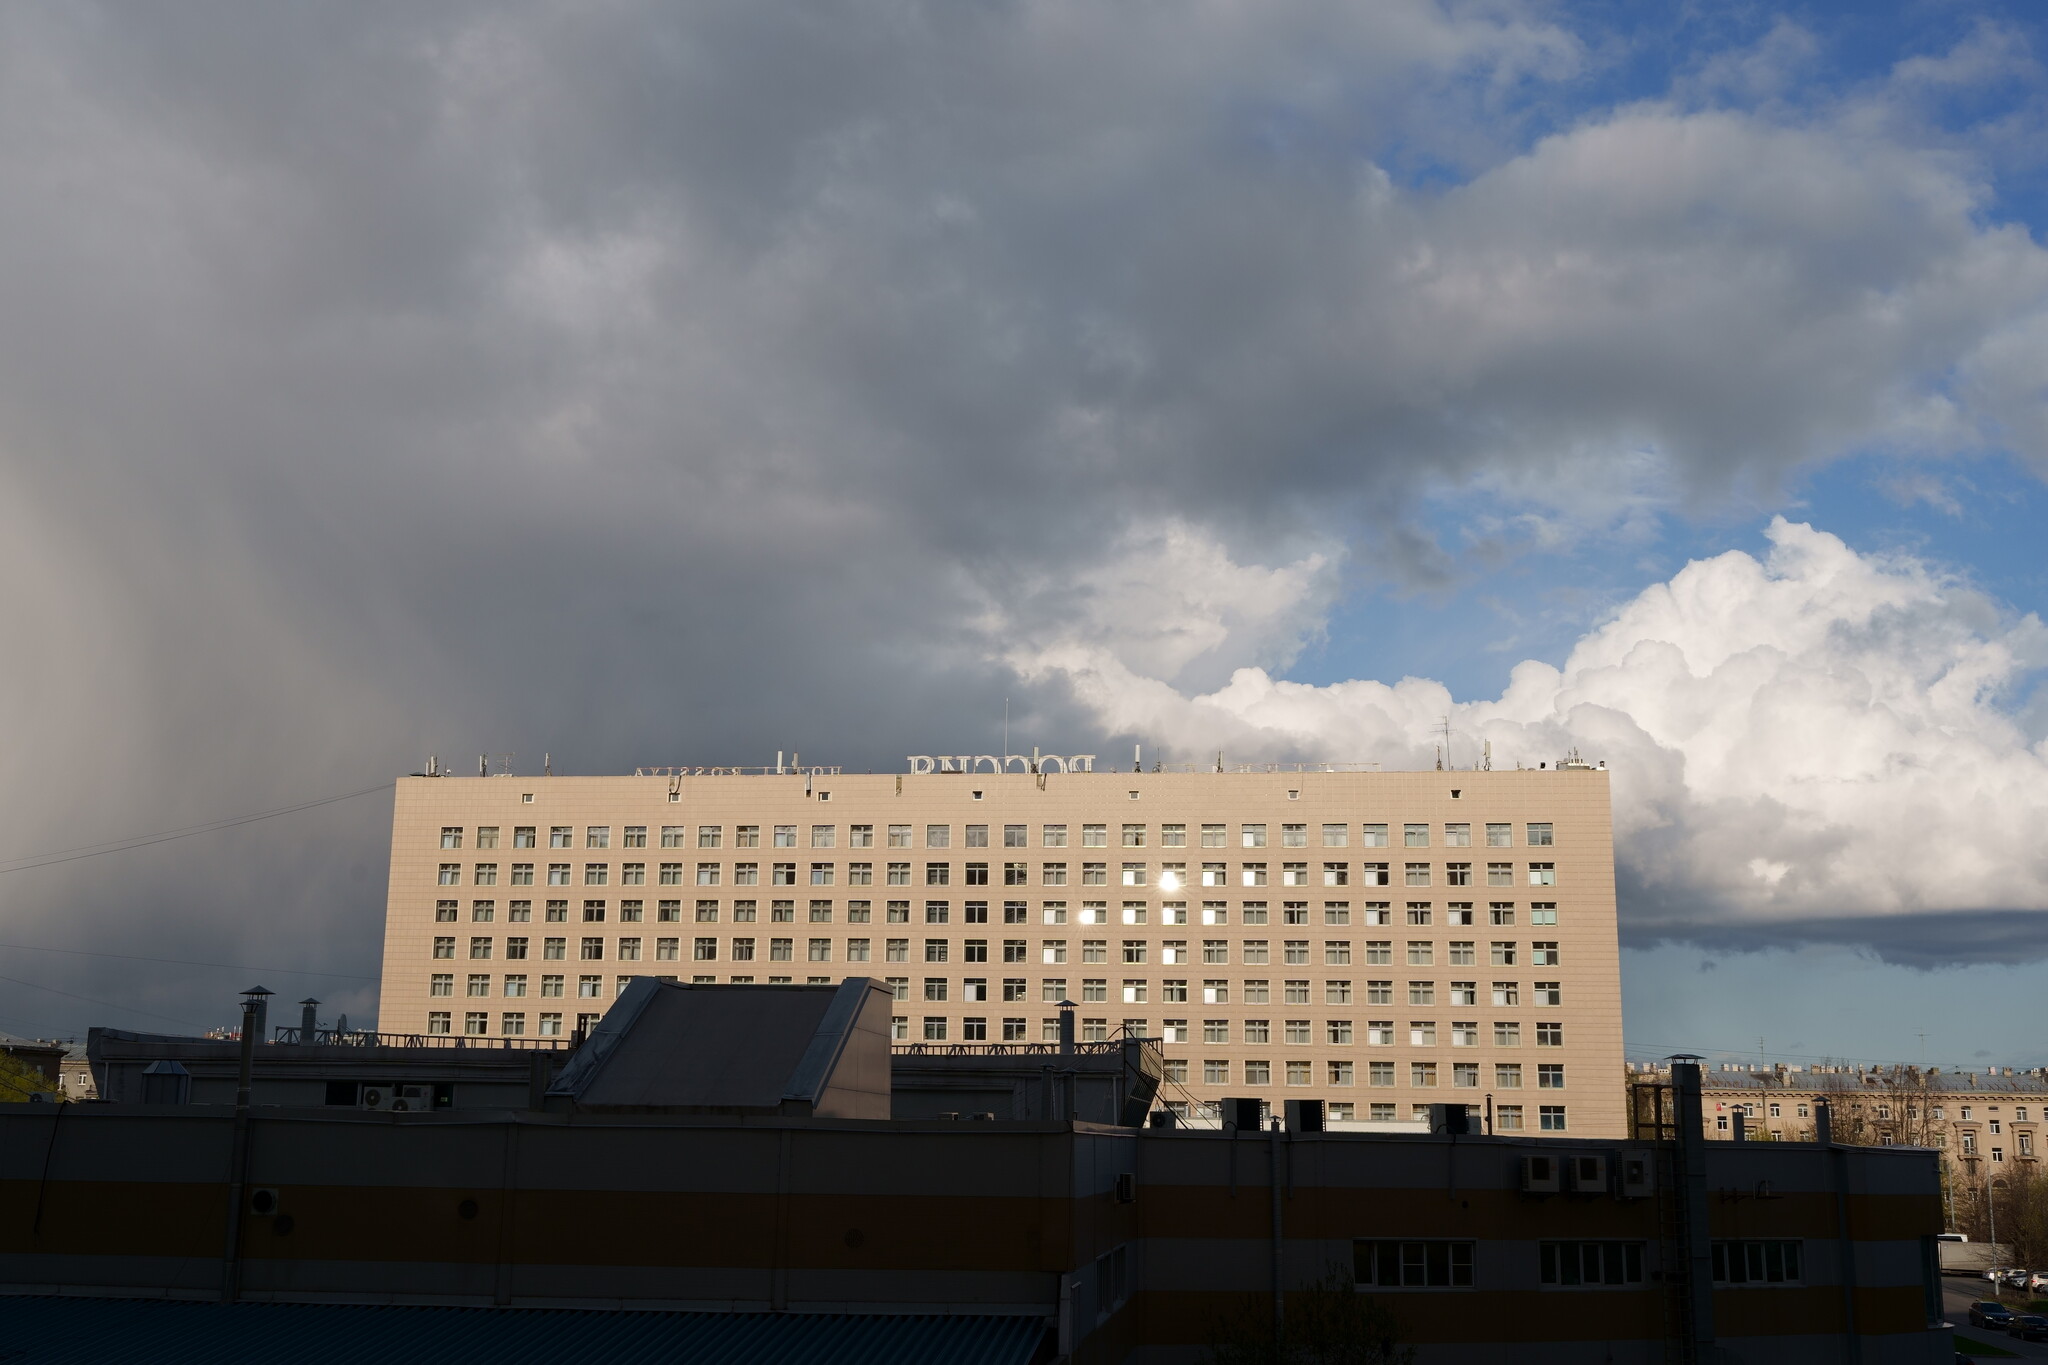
[
  {"x": 1379, "y": 940},
  {"x": 1989, "y": 1125}
]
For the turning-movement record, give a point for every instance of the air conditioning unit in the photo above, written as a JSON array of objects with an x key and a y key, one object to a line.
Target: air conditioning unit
[
  {"x": 1638, "y": 1175},
  {"x": 1588, "y": 1174},
  {"x": 1539, "y": 1175},
  {"x": 1304, "y": 1116},
  {"x": 398, "y": 1099}
]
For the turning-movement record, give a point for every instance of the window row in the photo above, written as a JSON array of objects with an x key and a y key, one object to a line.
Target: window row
[
  {"x": 1367, "y": 914},
  {"x": 1566, "y": 1264},
  {"x": 1415, "y": 834},
  {"x": 1421, "y": 1075},
  {"x": 1057, "y": 952},
  {"x": 1168, "y": 877}
]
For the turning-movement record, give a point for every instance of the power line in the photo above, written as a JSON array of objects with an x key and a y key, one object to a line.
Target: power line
[
  {"x": 185, "y": 962},
  {"x": 72, "y": 855},
  {"x": 104, "y": 1004}
]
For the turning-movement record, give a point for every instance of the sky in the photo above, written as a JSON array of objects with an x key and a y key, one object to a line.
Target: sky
[{"x": 638, "y": 384}]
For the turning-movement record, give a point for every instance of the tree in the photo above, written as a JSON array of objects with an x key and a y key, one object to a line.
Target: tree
[
  {"x": 19, "y": 1080},
  {"x": 1328, "y": 1323}
]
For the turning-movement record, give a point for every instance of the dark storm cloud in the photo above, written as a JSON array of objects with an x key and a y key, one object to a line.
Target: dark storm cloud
[{"x": 648, "y": 384}]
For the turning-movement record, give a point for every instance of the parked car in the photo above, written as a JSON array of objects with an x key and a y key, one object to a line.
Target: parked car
[
  {"x": 2037, "y": 1281},
  {"x": 1986, "y": 1313},
  {"x": 2029, "y": 1327},
  {"x": 1997, "y": 1273},
  {"x": 2017, "y": 1279}
]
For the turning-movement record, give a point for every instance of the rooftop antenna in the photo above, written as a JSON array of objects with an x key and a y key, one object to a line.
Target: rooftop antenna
[
  {"x": 547, "y": 765},
  {"x": 1486, "y": 759},
  {"x": 1444, "y": 752},
  {"x": 1006, "y": 729},
  {"x": 483, "y": 766}
]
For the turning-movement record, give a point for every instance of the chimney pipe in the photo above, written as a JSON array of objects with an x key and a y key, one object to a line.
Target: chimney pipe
[
  {"x": 1066, "y": 1027},
  {"x": 309, "y": 1019},
  {"x": 256, "y": 1007}
]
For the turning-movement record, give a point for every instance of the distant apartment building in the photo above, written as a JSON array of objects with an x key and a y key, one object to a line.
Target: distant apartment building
[
  {"x": 1381, "y": 941},
  {"x": 1989, "y": 1125}
]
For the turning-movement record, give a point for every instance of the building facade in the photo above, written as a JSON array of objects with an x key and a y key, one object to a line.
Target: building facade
[
  {"x": 1989, "y": 1125},
  {"x": 1105, "y": 1245},
  {"x": 1382, "y": 941}
]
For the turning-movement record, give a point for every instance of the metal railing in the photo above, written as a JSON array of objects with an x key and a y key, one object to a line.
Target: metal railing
[
  {"x": 1089, "y": 1049},
  {"x": 365, "y": 1038}
]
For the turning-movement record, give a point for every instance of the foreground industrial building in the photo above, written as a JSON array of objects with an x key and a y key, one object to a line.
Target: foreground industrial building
[
  {"x": 720, "y": 1160},
  {"x": 1379, "y": 941}
]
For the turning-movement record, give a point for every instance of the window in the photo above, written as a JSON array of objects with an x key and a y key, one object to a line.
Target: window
[
  {"x": 1421, "y": 953},
  {"x": 1258, "y": 1073},
  {"x": 451, "y": 836},
  {"x": 1418, "y": 912},
  {"x": 1507, "y": 1034},
  {"x": 1415, "y": 836},
  {"x": 1417, "y": 874},
  {"x": 554, "y": 949},
  {"x": 1586, "y": 1264},
  {"x": 451, "y": 874},
  {"x": 1422, "y": 992},
  {"x": 1539, "y": 835},
  {"x": 479, "y": 948},
  {"x": 636, "y": 837},
  {"x": 1550, "y": 1118},
  {"x": 1414, "y": 1265},
  {"x": 1550, "y": 1034},
  {"x": 437, "y": 1021},
  {"x": 1503, "y": 954},
  {"x": 1465, "y": 1034},
  {"x": 522, "y": 836},
  {"x": 1422, "y": 1033},
  {"x": 1550, "y": 1076},
  {"x": 1457, "y": 836},
  {"x": 1759, "y": 1262},
  {"x": 1457, "y": 874},
  {"x": 1215, "y": 1072}
]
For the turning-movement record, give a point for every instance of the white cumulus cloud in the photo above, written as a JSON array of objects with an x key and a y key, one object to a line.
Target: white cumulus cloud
[{"x": 1820, "y": 741}]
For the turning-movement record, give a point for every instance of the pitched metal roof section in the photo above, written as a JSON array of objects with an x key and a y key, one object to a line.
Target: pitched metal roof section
[
  {"x": 815, "y": 1069},
  {"x": 80, "y": 1331},
  {"x": 676, "y": 1047}
]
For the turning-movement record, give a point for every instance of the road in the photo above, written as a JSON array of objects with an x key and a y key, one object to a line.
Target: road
[{"x": 1957, "y": 1294}]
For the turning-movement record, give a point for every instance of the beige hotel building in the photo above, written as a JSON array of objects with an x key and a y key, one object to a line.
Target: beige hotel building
[{"x": 1377, "y": 940}]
